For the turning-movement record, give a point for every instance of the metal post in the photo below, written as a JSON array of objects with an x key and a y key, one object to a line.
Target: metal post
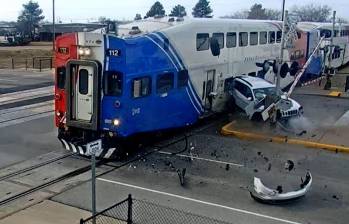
[
  {"x": 40, "y": 62},
  {"x": 26, "y": 64},
  {"x": 278, "y": 88},
  {"x": 93, "y": 169},
  {"x": 332, "y": 35},
  {"x": 12, "y": 63},
  {"x": 129, "y": 211},
  {"x": 33, "y": 62},
  {"x": 53, "y": 26},
  {"x": 51, "y": 63},
  {"x": 283, "y": 10}
]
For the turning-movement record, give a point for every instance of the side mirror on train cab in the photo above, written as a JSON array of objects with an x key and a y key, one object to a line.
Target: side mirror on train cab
[{"x": 214, "y": 45}]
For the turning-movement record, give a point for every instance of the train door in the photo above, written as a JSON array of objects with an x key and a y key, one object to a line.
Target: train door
[
  {"x": 208, "y": 89},
  {"x": 83, "y": 93}
]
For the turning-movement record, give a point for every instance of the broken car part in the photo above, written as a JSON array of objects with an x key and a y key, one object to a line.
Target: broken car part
[{"x": 266, "y": 195}]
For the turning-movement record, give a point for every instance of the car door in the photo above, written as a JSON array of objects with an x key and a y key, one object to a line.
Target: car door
[{"x": 242, "y": 94}]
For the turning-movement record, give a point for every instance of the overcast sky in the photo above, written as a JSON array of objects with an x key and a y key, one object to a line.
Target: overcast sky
[{"x": 89, "y": 10}]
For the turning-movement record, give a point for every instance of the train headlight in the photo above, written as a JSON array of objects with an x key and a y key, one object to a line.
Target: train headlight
[
  {"x": 116, "y": 122},
  {"x": 84, "y": 51}
]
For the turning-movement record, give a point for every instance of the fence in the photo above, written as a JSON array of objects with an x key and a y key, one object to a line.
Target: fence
[
  {"x": 134, "y": 211},
  {"x": 39, "y": 63}
]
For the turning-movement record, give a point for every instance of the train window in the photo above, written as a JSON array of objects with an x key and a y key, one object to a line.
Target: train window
[
  {"x": 141, "y": 87},
  {"x": 231, "y": 40},
  {"x": 278, "y": 36},
  {"x": 202, "y": 41},
  {"x": 253, "y": 38},
  {"x": 112, "y": 83},
  {"x": 271, "y": 37},
  {"x": 243, "y": 39},
  {"x": 83, "y": 81},
  {"x": 60, "y": 77},
  {"x": 220, "y": 38},
  {"x": 263, "y": 37},
  {"x": 183, "y": 78},
  {"x": 164, "y": 83}
]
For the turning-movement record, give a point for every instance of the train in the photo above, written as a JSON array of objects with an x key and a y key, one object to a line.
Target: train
[{"x": 163, "y": 73}]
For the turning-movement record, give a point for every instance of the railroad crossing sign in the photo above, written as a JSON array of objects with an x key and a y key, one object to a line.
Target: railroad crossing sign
[{"x": 94, "y": 148}]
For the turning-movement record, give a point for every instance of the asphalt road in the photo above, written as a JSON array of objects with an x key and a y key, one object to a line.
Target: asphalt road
[{"x": 17, "y": 80}]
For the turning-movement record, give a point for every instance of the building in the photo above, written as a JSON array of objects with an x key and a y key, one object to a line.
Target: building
[{"x": 46, "y": 30}]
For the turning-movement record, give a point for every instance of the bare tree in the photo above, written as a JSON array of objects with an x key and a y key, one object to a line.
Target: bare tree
[
  {"x": 273, "y": 14},
  {"x": 312, "y": 12},
  {"x": 243, "y": 14}
]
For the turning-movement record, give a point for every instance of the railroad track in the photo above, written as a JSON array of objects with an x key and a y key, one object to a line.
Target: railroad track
[
  {"x": 24, "y": 170},
  {"x": 152, "y": 149}
]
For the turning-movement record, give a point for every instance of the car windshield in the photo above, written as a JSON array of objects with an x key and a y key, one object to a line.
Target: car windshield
[{"x": 262, "y": 92}]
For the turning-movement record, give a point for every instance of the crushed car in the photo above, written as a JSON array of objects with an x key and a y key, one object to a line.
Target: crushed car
[
  {"x": 258, "y": 98},
  {"x": 266, "y": 195}
]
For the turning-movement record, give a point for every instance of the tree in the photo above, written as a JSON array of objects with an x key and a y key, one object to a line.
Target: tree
[
  {"x": 156, "y": 10},
  {"x": 30, "y": 18},
  {"x": 178, "y": 11},
  {"x": 138, "y": 17},
  {"x": 312, "y": 13},
  {"x": 273, "y": 14},
  {"x": 257, "y": 12},
  {"x": 202, "y": 9},
  {"x": 237, "y": 15}
]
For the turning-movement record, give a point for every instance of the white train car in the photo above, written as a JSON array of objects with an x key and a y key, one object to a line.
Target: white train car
[
  {"x": 340, "y": 51},
  {"x": 244, "y": 45}
]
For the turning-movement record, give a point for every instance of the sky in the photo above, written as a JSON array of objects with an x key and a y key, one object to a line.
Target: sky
[{"x": 89, "y": 10}]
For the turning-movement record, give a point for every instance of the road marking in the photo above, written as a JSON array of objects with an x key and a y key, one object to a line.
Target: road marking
[
  {"x": 200, "y": 158},
  {"x": 201, "y": 202}
]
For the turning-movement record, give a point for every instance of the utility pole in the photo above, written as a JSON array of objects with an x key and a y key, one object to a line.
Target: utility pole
[
  {"x": 329, "y": 70},
  {"x": 53, "y": 25},
  {"x": 283, "y": 10},
  {"x": 278, "y": 88}
]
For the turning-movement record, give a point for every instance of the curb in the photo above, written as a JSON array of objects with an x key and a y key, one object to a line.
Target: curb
[{"x": 282, "y": 139}]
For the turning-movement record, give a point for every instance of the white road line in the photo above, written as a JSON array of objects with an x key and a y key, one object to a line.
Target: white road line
[
  {"x": 201, "y": 202},
  {"x": 200, "y": 158}
]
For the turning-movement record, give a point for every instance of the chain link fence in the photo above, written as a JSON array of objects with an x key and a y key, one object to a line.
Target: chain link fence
[{"x": 134, "y": 211}]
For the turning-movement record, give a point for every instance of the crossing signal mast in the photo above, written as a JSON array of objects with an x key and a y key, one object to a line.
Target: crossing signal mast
[{"x": 289, "y": 35}]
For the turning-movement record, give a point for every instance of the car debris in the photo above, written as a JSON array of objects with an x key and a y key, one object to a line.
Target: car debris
[
  {"x": 181, "y": 175},
  {"x": 289, "y": 165},
  {"x": 266, "y": 195}
]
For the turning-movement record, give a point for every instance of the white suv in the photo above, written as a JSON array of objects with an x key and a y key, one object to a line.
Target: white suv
[{"x": 255, "y": 96}]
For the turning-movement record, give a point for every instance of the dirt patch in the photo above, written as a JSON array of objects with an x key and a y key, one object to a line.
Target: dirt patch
[{"x": 20, "y": 56}]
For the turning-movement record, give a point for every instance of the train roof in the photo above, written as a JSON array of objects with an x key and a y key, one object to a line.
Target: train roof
[
  {"x": 308, "y": 26},
  {"x": 149, "y": 25}
]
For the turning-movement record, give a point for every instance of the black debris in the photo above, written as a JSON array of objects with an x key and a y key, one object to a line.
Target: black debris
[
  {"x": 255, "y": 170},
  {"x": 313, "y": 136},
  {"x": 302, "y": 133},
  {"x": 259, "y": 153},
  {"x": 181, "y": 175},
  {"x": 335, "y": 197},
  {"x": 227, "y": 167},
  {"x": 336, "y": 150},
  {"x": 269, "y": 166},
  {"x": 279, "y": 189},
  {"x": 289, "y": 165},
  {"x": 266, "y": 159}
]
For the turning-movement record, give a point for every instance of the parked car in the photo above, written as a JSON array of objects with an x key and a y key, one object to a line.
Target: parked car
[{"x": 257, "y": 97}]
